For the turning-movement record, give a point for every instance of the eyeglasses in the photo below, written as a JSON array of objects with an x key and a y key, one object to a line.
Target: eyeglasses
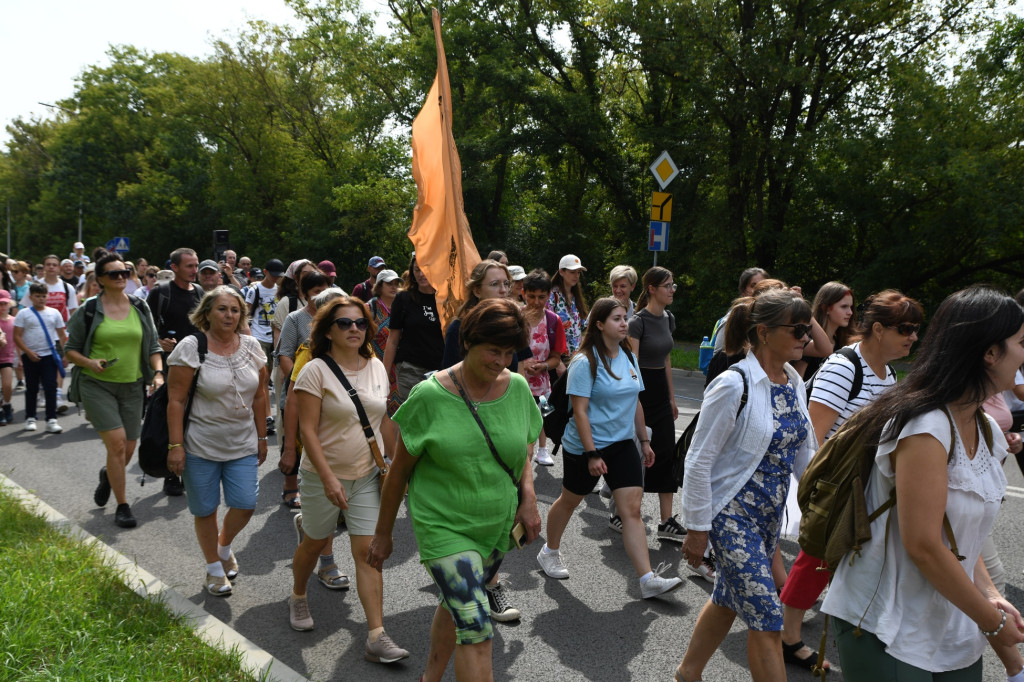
[
  {"x": 361, "y": 323},
  {"x": 671, "y": 286},
  {"x": 117, "y": 274},
  {"x": 904, "y": 328},
  {"x": 500, "y": 283},
  {"x": 799, "y": 330}
]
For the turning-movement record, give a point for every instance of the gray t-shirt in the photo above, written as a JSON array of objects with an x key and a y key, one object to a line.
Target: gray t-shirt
[
  {"x": 294, "y": 333},
  {"x": 655, "y": 336}
]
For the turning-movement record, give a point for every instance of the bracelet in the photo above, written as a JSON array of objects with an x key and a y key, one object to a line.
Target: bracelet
[
  {"x": 999, "y": 629},
  {"x": 261, "y": 437},
  {"x": 644, "y": 440},
  {"x": 171, "y": 446}
]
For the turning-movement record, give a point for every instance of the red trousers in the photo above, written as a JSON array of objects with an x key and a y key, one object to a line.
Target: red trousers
[{"x": 804, "y": 583}]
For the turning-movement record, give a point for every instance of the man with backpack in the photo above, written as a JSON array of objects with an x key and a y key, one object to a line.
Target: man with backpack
[
  {"x": 170, "y": 304},
  {"x": 261, "y": 301}
]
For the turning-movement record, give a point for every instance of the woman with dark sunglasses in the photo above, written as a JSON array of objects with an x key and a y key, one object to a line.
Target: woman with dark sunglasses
[
  {"x": 738, "y": 472},
  {"x": 889, "y": 326},
  {"x": 339, "y": 470},
  {"x": 115, "y": 353}
]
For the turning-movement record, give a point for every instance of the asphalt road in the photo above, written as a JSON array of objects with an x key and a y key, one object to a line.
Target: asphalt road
[{"x": 593, "y": 626}]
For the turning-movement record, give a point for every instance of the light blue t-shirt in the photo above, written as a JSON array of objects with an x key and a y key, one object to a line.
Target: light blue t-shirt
[{"x": 612, "y": 401}]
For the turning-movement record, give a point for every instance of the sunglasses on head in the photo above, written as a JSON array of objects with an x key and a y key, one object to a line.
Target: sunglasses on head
[
  {"x": 799, "y": 330},
  {"x": 116, "y": 274},
  {"x": 361, "y": 323},
  {"x": 905, "y": 328}
]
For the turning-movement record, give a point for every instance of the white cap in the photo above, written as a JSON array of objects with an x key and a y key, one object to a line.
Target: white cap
[
  {"x": 570, "y": 262},
  {"x": 517, "y": 272},
  {"x": 79, "y": 245},
  {"x": 387, "y": 276}
]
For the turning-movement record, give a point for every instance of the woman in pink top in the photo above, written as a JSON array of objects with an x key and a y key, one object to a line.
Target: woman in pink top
[{"x": 6, "y": 356}]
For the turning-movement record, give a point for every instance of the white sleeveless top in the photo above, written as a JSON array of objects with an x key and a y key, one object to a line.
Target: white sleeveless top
[{"x": 917, "y": 624}]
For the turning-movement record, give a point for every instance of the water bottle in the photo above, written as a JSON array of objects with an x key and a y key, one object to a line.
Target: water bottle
[
  {"x": 704, "y": 356},
  {"x": 545, "y": 407}
]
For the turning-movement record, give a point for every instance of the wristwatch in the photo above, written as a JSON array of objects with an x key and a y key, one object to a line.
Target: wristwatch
[{"x": 592, "y": 454}]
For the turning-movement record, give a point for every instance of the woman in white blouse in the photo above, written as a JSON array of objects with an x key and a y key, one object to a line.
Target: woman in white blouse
[{"x": 908, "y": 607}]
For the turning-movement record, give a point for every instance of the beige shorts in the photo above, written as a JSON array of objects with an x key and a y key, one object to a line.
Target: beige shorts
[{"x": 320, "y": 516}]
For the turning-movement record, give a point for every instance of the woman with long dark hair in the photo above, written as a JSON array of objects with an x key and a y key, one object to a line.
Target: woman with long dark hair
[
  {"x": 908, "y": 607},
  {"x": 566, "y": 300},
  {"x": 833, "y": 310},
  {"x": 603, "y": 385}
]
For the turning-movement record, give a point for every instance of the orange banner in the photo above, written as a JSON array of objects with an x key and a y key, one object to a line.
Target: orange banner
[{"x": 440, "y": 231}]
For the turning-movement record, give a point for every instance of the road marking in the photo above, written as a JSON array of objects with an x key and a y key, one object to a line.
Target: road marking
[{"x": 1013, "y": 491}]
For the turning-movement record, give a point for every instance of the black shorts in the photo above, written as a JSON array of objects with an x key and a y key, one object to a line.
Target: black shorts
[{"x": 625, "y": 469}]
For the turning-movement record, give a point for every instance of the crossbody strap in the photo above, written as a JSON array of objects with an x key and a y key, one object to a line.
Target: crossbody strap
[
  {"x": 371, "y": 438},
  {"x": 49, "y": 341},
  {"x": 487, "y": 436}
]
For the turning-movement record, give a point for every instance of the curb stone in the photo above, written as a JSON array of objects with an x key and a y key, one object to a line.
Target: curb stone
[{"x": 212, "y": 630}]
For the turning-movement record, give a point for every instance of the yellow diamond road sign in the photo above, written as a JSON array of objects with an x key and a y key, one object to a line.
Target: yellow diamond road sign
[{"x": 664, "y": 170}]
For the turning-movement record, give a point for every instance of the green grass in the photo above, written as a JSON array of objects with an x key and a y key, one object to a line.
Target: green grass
[
  {"x": 684, "y": 359},
  {"x": 65, "y": 614}
]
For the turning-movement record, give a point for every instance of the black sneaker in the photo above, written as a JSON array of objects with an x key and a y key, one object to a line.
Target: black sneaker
[
  {"x": 500, "y": 603},
  {"x": 123, "y": 516},
  {"x": 102, "y": 493},
  {"x": 173, "y": 486},
  {"x": 670, "y": 529},
  {"x": 270, "y": 426}
]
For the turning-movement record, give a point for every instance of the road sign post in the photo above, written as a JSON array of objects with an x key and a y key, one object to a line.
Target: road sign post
[{"x": 664, "y": 171}]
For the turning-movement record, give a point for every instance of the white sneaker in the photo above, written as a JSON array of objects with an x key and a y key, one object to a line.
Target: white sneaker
[
  {"x": 705, "y": 570},
  {"x": 544, "y": 457},
  {"x": 552, "y": 564},
  {"x": 657, "y": 585},
  {"x": 30, "y": 424},
  {"x": 52, "y": 426}
]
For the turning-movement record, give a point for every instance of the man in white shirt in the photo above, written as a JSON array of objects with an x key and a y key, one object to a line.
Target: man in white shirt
[{"x": 261, "y": 299}]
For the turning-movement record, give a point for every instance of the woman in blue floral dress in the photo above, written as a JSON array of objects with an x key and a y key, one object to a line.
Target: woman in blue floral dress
[{"x": 752, "y": 433}]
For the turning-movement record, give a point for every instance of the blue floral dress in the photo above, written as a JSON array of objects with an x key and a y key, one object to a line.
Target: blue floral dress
[{"x": 745, "y": 534}]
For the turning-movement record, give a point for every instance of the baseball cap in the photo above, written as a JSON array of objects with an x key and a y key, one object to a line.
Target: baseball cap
[
  {"x": 79, "y": 262},
  {"x": 67, "y": 261},
  {"x": 79, "y": 245},
  {"x": 5, "y": 296},
  {"x": 387, "y": 276},
  {"x": 208, "y": 265},
  {"x": 376, "y": 262},
  {"x": 327, "y": 267},
  {"x": 255, "y": 273},
  {"x": 517, "y": 272},
  {"x": 570, "y": 262},
  {"x": 274, "y": 268}
]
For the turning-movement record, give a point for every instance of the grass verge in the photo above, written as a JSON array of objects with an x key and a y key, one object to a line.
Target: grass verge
[
  {"x": 65, "y": 614},
  {"x": 685, "y": 359}
]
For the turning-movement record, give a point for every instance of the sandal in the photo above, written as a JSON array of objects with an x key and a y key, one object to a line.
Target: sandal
[
  {"x": 230, "y": 567},
  {"x": 809, "y": 663},
  {"x": 218, "y": 585},
  {"x": 293, "y": 502},
  {"x": 332, "y": 578}
]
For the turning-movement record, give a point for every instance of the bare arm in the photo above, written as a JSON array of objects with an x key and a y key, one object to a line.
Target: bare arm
[
  {"x": 820, "y": 345},
  {"x": 259, "y": 415},
  {"x": 391, "y": 349},
  {"x": 179, "y": 379},
  {"x": 390, "y": 498},
  {"x": 822, "y": 418},
  {"x": 309, "y": 426}
]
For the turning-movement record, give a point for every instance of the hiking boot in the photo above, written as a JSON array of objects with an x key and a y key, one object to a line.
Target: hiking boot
[
  {"x": 657, "y": 585},
  {"x": 552, "y": 564},
  {"x": 173, "y": 487},
  {"x": 501, "y": 604},
  {"x": 298, "y": 614},
  {"x": 670, "y": 529},
  {"x": 384, "y": 650},
  {"x": 123, "y": 516},
  {"x": 102, "y": 493}
]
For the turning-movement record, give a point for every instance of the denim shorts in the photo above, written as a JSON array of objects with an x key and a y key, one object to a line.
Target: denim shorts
[
  {"x": 203, "y": 478},
  {"x": 462, "y": 579},
  {"x": 320, "y": 516}
]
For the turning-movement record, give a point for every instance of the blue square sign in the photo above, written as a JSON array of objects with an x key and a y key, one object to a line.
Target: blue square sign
[{"x": 659, "y": 236}]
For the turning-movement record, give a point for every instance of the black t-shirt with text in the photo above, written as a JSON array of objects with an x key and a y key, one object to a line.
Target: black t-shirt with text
[{"x": 422, "y": 342}]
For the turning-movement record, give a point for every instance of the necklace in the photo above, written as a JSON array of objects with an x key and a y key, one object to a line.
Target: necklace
[
  {"x": 358, "y": 361},
  {"x": 476, "y": 403}
]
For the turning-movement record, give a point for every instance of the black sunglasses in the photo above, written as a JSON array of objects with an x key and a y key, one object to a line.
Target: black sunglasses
[
  {"x": 905, "y": 328},
  {"x": 799, "y": 330},
  {"x": 117, "y": 274},
  {"x": 361, "y": 323}
]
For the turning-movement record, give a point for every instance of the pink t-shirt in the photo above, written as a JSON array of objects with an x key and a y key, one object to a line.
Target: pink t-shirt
[{"x": 7, "y": 352}]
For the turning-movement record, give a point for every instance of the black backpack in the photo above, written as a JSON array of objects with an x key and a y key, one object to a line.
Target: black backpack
[
  {"x": 561, "y": 407},
  {"x": 154, "y": 439},
  {"x": 858, "y": 372},
  {"x": 683, "y": 444}
]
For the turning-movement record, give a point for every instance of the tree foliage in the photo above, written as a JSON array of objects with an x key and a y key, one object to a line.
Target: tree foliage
[{"x": 862, "y": 141}]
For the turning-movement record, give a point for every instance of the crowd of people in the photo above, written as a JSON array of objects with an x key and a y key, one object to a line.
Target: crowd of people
[{"x": 376, "y": 403}]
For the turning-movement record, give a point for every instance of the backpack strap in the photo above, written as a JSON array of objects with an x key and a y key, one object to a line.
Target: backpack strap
[
  {"x": 743, "y": 398},
  {"x": 858, "y": 371}
]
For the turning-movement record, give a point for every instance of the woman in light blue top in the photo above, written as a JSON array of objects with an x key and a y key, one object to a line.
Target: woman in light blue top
[{"x": 737, "y": 477}]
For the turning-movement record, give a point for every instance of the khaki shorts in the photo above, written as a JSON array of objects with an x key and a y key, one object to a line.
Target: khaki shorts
[
  {"x": 320, "y": 516},
  {"x": 111, "y": 405}
]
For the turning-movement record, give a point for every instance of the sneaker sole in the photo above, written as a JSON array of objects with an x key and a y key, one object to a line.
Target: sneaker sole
[
  {"x": 658, "y": 594},
  {"x": 507, "y": 616},
  {"x": 671, "y": 537},
  {"x": 378, "y": 659},
  {"x": 546, "y": 464}
]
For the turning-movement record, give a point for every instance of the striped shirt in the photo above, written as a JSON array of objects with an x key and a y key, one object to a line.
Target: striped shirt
[{"x": 834, "y": 380}]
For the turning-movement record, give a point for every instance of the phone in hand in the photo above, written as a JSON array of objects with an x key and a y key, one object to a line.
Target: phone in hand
[
  {"x": 107, "y": 363},
  {"x": 519, "y": 535}
]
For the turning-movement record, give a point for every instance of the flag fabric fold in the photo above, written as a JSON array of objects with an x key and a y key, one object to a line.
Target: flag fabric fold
[{"x": 440, "y": 231}]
